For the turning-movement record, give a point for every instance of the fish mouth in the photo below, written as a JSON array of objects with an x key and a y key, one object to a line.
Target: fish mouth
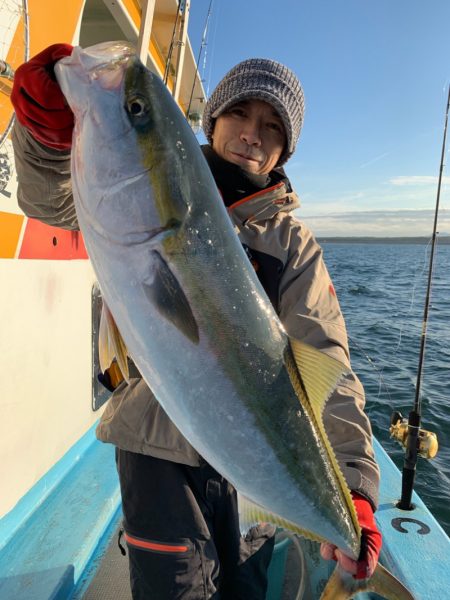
[
  {"x": 106, "y": 55},
  {"x": 104, "y": 62}
]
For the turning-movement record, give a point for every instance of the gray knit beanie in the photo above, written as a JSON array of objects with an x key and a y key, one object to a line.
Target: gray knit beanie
[{"x": 266, "y": 80}]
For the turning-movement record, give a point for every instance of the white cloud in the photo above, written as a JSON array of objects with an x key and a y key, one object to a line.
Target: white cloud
[
  {"x": 377, "y": 223},
  {"x": 417, "y": 180},
  {"x": 401, "y": 206}
]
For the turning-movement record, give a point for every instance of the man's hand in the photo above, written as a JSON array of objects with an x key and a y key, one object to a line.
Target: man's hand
[
  {"x": 370, "y": 543},
  {"x": 38, "y": 101}
]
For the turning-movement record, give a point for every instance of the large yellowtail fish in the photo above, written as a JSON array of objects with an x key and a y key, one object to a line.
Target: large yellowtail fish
[{"x": 190, "y": 308}]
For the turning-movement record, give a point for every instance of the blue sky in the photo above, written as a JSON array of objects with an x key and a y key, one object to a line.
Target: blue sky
[{"x": 375, "y": 75}]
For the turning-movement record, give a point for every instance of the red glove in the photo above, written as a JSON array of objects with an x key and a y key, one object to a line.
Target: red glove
[
  {"x": 38, "y": 101},
  {"x": 370, "y": 543}
]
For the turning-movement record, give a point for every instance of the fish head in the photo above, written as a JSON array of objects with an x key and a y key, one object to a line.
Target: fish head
[
  {"x": 124, "y": 130},
  {"x": 92, "y": 82}
]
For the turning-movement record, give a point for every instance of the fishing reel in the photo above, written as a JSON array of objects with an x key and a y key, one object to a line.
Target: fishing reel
[{"x": 427, "y": 440}]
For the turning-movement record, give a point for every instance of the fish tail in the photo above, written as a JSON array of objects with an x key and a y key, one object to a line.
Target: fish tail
[{"x": 342, "y": 586}]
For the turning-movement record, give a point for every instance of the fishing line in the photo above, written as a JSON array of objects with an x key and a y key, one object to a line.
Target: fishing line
[
  {"x": 381, "y": 381},
  {"x": 382, "y": 384},
  {"x": 417, "y": 277},
  {"x": 353, "y": 342}
]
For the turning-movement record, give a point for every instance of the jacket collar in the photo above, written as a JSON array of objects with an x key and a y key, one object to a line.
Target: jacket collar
[
  {"x": 250, "y": 197},
  {"x": 264, "y": 204}
]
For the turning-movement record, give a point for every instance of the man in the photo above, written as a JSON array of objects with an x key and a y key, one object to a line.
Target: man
[{"x": 180, "y": 516}]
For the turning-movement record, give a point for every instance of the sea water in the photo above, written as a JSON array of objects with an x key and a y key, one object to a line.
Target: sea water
[{"x": 381, "y": 290}]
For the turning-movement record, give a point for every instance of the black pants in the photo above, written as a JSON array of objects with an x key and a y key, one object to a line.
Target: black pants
[{"x": 182, "y": 531}]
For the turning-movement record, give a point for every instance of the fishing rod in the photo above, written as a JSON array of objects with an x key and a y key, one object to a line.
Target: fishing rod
[
  {"x": 408, "y": 432},
  {"x": 202, "y": 45},
  {"x": 172, "y": 43}
]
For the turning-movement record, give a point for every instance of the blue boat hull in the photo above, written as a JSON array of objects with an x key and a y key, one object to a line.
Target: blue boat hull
[{"x": 52, "y": 543}]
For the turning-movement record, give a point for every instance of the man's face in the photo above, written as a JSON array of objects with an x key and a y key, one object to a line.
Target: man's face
[{"x": 250, "y": 134}]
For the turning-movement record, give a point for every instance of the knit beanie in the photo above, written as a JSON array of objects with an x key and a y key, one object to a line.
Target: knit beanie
[{"x": 266, "y": 80}]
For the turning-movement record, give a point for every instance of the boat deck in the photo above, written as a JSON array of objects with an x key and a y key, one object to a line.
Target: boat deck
[
  {"x": 111, "y": 580},
  {"x": 60, "y": 541}
]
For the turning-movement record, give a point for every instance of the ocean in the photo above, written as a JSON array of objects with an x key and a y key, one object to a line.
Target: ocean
[{"x": 381, "y": 290}]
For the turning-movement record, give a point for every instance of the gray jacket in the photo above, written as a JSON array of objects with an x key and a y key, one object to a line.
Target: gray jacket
[{"x": 306, "y": 303}]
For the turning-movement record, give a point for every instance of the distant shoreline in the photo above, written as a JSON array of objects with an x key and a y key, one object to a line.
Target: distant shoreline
[{"x": 442, "y": 240}]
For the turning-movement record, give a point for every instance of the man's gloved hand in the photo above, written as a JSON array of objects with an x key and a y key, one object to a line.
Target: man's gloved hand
[
  {"x": 38, "y": 101},
  {"x": 370, "y": 543}
]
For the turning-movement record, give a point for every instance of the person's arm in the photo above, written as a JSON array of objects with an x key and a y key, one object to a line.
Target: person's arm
[
  {"x": 310, "y": 312},
  {"x": 42, "y": 138},
  {"x": 44, "y": 189}
]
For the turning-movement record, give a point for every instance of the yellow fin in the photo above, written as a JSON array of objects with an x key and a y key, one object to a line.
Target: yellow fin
[
  {"x": 250, "y": 514},
  {"x": 318, "y": 375},
  {"x": 111, "y": 345},
  {"x": 342, "y": 586}
]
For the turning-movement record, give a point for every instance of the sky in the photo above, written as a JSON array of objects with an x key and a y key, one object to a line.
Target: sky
[{"x": 375, "y": 75}]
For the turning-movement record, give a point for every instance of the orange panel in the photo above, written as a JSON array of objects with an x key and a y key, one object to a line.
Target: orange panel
[
  {"x": 10, "y": 228},
  {"x": 51, "y": 243},
  {"x": 134, "y": 10},
  {"x": 52, "y": 21},
  {"x": 15, "y": 57}
]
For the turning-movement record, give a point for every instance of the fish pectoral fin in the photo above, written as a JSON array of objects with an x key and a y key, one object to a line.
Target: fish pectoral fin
[
  {"x": 167, "y": 296},
  {"x": 342, "y": 586},
  {"x": 111, "y": 345},
  {"x": 250, "y": 514}
]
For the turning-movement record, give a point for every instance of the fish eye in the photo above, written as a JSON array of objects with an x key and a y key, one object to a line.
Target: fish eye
[{"x": 136, "y": 107}]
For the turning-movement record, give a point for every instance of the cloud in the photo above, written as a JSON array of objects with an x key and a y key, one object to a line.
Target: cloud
[
  {"x": 417, "y": 180},
  {"x": 401, "y": 206},
  {"x": 377, "y": 223}
]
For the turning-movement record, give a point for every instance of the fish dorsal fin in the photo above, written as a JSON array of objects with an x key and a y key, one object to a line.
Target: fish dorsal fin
[
  {"x": 319, "y": 374},
  {"x": 111, "y": 345},
  {"x": 250, "y": 514}
]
